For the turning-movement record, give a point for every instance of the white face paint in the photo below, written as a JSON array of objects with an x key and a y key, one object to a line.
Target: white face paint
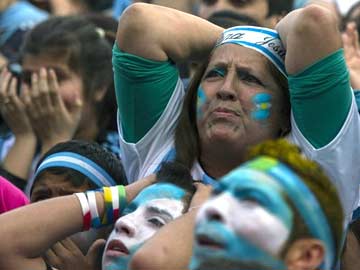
[
  {"x": 147, "y": 215},
  {"x": 248, "y": 219}
]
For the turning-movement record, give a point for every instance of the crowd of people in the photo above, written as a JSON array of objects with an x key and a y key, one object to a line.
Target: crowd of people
[{"x": 192, "y": 134}]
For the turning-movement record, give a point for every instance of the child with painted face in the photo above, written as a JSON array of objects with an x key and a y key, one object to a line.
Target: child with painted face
[
  {"x": 277, "y": 211},
  {"x": 152, "y": 208}
]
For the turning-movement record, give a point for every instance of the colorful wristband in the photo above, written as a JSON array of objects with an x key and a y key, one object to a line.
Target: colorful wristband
[
  {"x": 107, "y": 219},
  {"x": 115, "y": 202},
  {"x": 95, "y": 220},
  {"x": 122, "y": 197},
  {"x": 85, "y": 211}
]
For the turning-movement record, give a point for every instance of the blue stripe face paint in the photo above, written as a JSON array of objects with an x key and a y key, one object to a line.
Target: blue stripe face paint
[
  {"x": 201, "y": 101},
  {"x": 262, "y": 106}
]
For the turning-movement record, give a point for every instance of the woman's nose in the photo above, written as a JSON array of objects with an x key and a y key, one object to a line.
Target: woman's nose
[{"x": 225, "y": 95}]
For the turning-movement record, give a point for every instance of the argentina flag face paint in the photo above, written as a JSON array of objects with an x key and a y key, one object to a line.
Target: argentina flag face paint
[
  {"x": 262, "y": 106},
  {"x": 152, "y": 208}
]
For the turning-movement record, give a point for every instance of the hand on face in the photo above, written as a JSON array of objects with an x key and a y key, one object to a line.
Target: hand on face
[
  {"x": 65, "y": 255},
  {"x": 12, "y": 105},
  {"x": 52, "y": 121}
]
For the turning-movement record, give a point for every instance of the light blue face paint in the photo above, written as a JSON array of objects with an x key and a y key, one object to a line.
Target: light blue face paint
[
  {"x": 263, "y": 180},
  {"x": 247, "y": 184},
  {"x": 262, "y": 105},
  {"x": 122, "y": 262},
  {"x": 304, "y": 201},
  {"x": 201, "y": 101},
  {"x": 238, "y": 253},
  {"x": 159, "y": 191}
]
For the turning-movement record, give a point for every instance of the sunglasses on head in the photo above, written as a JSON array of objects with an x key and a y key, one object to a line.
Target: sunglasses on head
[{"x": 236, "y": 3}]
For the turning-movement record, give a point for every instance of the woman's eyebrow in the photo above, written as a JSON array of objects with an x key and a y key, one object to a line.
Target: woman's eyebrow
[{"x": 157, "y": 210}]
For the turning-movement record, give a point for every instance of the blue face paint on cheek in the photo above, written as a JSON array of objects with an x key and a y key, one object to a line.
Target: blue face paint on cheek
[
  {"x": 262, "y": 105},
  {"x": 201, "y": 101}
]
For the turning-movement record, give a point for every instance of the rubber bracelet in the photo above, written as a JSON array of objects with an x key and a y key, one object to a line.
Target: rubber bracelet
[
  {"x": 95, "y": 220},
  {"x": 85, "y": 211}
]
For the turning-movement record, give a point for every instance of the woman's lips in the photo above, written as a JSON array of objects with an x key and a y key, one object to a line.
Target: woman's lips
[
  {"x": 116, "y": 248},
  {"x": 221, "y": 111}
]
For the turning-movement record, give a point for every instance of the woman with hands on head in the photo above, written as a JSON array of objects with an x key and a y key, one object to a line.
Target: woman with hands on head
[
  {"x": 241, "y": 96},
  {"x": 67, "y": 77}
]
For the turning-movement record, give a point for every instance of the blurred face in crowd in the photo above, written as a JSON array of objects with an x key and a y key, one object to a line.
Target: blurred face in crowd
[
  {"x": 70, "y": 83},
  {"x": 247, "y": 224},
  {"x": 239, "y": 101},
  {"x": 257, "y": 9},
  {"x": 153, "y": 207},
  {"x": 70, "y": 87}
]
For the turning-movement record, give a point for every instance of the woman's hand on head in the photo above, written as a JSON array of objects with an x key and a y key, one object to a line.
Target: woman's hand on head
[
  {"x": 12, "y": 105},
  {"x": 350, "y": 38},
  {"x": 52, "y": 121},
  {"x": 66, "y": 255}
]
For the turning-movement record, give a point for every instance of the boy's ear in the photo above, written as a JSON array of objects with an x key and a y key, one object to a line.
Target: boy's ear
[{"x": 305, "y": 254}]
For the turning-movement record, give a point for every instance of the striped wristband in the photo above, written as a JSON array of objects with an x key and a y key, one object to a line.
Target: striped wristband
[
  {"x": 85, "y": 211},
  {"x": 95, "y": 220},
  {"x": 115, "y": 202}
]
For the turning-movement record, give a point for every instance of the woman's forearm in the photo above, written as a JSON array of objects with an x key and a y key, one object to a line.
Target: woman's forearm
[
  {"x": 161, "y": 33},
  {"x": 309, "y": 34}
]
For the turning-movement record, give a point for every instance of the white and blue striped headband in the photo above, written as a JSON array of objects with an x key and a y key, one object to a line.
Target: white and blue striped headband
[
  {"x": 87, "y": 167},
  {"x": 263, "y": 40}
]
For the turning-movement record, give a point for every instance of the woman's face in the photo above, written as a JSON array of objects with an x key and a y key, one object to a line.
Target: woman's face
[
  {"x": 239, "y": 102},
  {"x": 70, "y": 83},
  {"x": 152, "y": 208},
  {"x": 245, "y": 224}
]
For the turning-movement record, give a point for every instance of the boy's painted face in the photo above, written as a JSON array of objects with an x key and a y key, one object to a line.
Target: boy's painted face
[
  {"x": 152, "y": 208},
  {"x": 245, "y": 225}
]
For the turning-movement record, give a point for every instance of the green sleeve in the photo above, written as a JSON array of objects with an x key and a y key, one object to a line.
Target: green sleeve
[
  {"x": 320, "y": 97},
  {"x": 143, "y": 88}
]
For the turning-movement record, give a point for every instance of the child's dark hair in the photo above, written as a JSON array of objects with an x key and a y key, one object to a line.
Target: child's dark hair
[
  {"x": 177, "y": 174},
  {"x": 91, "y": 150}
]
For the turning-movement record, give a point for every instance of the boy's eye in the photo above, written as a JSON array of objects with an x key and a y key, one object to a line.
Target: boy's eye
[{"x": 157, "y": 222}]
